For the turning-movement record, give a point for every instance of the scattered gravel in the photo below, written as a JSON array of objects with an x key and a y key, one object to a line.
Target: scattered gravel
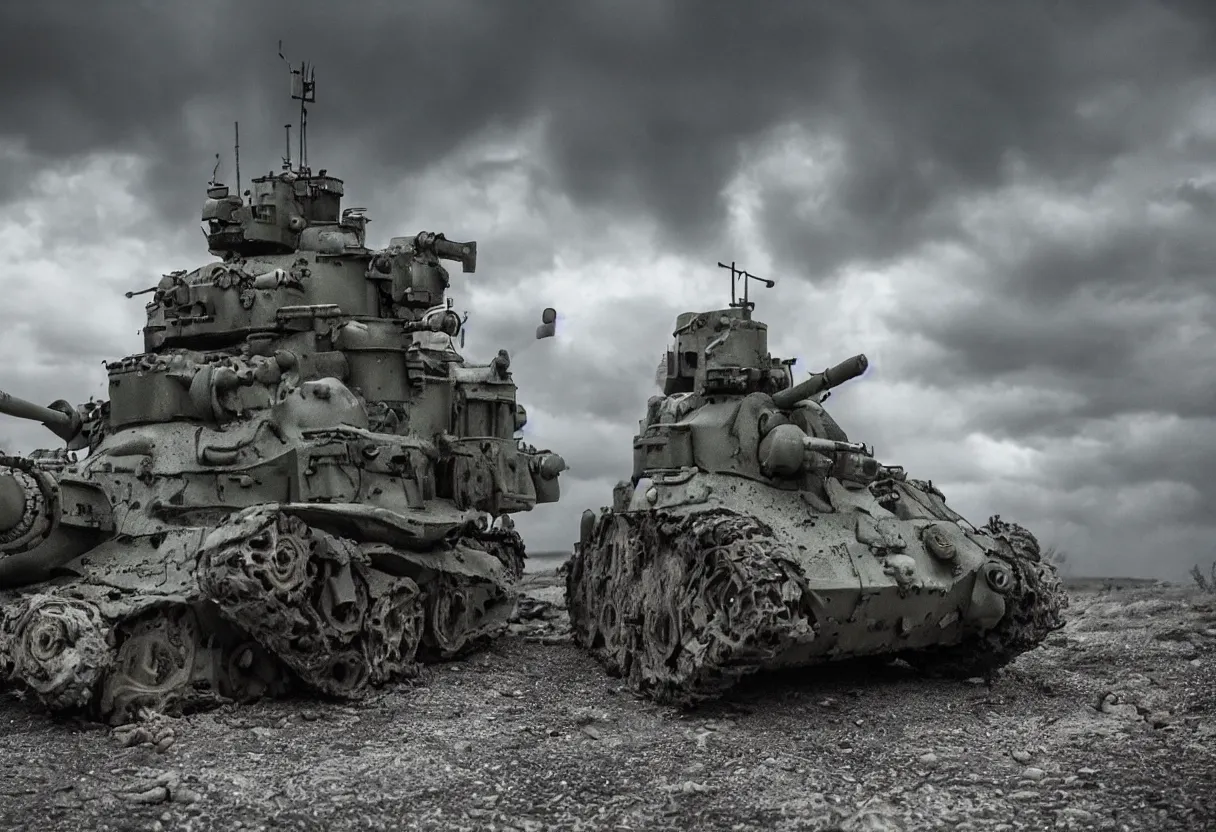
[{"x": 1111, "y": 725}]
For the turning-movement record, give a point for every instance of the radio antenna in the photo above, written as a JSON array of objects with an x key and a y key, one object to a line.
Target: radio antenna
[
  {"x": 735, "y": 273},
  {"x": 236, "y": 152},
  {"x": 304, "y": 90}
]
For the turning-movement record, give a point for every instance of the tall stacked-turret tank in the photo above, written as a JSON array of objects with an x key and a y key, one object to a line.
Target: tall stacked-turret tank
[
  {"x": 753, "y": 535},
  {"x": 298, "y": 481}
]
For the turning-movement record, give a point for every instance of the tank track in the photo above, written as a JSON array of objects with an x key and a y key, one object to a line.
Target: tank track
[
  {"x": 1034, "y": 608},
  {"x": 279, "y": 605},
  {"x": 683, "y": 606},
  {"x": 312, "y": 600},
  {"x": 463, "y": 613},
  {"x": 165, "y": 658}
]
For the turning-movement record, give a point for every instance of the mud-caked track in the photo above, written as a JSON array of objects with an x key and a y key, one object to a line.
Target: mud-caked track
[
  {"x": 312, "y": 600},
  {"x": 683, "y": 606},
  {"x": 272, "y": 604}
]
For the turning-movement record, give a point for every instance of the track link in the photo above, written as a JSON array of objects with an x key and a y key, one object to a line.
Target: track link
[{"x": 683, "y": 606}]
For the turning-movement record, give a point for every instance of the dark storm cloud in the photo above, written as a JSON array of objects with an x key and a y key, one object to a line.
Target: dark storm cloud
[
  {"x": 17, "y": 173},
  {"x": 1129, "y": 301},
  {"x": 649, "y": 109},
  {"x": 648, "y": 104}
]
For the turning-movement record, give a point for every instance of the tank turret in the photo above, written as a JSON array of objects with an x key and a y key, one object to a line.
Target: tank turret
[
  {"x": 298, "y": 481},
  {"x": 281, "y": 213},
  {"x": 754, "y": 535}
]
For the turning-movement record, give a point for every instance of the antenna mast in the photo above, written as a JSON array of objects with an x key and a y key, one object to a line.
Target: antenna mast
[
  {"x": 735, "y": 273},
  {"x": 304, "y": 90},
  {"x": 236, "y": 151}
]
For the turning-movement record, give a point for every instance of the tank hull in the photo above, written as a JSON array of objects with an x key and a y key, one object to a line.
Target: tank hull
[
  {"x": 258, "y": 605},
  {"x": 694, "y": 580},
  {"x": 160, "y": 576}
]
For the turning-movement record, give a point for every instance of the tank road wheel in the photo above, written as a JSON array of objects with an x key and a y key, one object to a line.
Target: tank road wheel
[
  {"x": 684, "y": 606},
  {"x": 448, "y": 618},
  {"x": 58, "y": 647},
  {"x": 466, "y": 612},
  {"x": 1035, "y": 601},
  {"x": 155, "y": 664},
  {"x": 396, "y": 623},
  {"x": 311, "y": 599},
  {"x": 164, "y": 659},
  {"x": 594, "y": 597}
]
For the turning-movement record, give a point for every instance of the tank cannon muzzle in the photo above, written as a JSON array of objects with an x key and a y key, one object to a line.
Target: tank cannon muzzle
[
  {"x": 818, "y": 383},
  {"x": 29, "y": 508},
  {"x": 59, "y": 417},
  {"x": 445, "y": 249}
]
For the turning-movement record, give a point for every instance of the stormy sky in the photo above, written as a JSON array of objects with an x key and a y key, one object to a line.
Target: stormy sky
[{"x": 1008, "y": 207}]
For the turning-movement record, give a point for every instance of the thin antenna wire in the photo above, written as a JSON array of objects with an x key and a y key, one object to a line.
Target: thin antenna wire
[
  {"x": 236, "y": 151},
  {"x": 303, "y": 122},
  {"x": 303, "y": 89}
]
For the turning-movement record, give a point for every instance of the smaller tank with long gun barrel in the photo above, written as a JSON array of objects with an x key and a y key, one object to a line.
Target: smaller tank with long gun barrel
[{"x": 754, "y": 535}]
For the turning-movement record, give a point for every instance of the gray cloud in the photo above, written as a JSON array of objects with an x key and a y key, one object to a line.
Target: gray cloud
[
  {"x": 649, "y": 110},
  {"x": 648, "y": 105}
]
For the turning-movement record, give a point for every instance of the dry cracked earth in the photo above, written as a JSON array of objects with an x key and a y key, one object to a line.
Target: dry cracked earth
[{"x": 1110, "y": 725}]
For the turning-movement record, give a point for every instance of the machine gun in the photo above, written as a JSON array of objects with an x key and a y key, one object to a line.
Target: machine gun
[{"x": 445, "y": 249}]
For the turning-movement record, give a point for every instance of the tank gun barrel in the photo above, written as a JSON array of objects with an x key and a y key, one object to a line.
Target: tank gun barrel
[
  {"x": 65, "y": 425},
  {"x": 834, "y": 446},
  {"x": 443, "y": 248},
  {"x": 846, "y": 370}
]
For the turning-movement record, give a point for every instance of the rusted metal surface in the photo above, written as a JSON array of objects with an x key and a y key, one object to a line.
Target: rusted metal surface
[
  {"x": 754, "y": 535},
  {"x": 299, "y": 480}
]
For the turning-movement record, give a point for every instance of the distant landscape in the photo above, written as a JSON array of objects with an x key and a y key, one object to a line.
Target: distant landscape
[{"x": 544, "y": 561}]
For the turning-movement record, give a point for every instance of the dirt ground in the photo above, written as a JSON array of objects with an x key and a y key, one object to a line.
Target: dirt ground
[{"x": 1111, "y": 725}]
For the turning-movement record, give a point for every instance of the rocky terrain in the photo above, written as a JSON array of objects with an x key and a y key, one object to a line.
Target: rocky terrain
[{"x": 1111, "y": 725}]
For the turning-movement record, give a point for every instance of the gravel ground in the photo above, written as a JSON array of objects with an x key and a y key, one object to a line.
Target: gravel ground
[{"x": 1111, "y": 725}]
